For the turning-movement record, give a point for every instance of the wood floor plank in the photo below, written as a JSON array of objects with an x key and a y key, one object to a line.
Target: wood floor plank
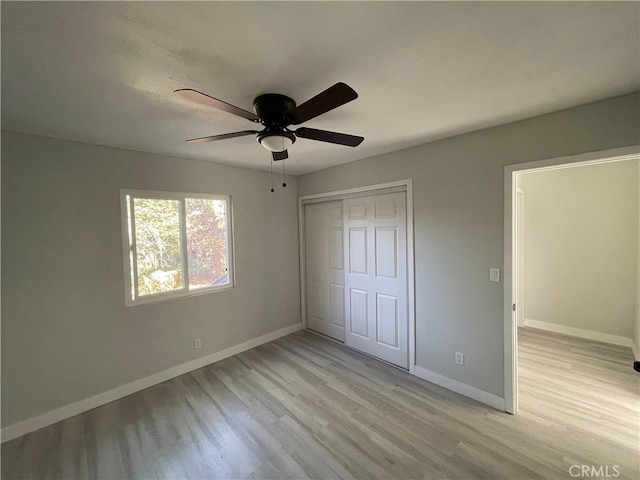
[{"x": 306, "y": 407}]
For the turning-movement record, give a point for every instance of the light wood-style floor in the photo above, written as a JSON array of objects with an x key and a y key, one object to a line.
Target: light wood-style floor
[{"x": 305, "y": 407}]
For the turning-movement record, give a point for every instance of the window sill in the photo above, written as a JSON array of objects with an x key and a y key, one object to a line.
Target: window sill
[{"x": 175, "y": 295}]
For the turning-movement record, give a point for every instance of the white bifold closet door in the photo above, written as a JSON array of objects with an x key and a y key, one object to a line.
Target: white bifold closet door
[
  {"x": 375, "y": 276},
  {"x": 324, "y": 262}
]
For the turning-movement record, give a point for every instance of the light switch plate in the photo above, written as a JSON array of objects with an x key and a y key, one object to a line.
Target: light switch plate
[{"x": 494, "y": 274}]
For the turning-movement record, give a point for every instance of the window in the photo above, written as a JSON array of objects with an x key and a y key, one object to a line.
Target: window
[{"x": 175, "y": 245}]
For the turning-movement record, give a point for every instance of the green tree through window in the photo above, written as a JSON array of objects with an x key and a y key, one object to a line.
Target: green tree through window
[
  {"x": 158, "y": 245},
  {"x": 178, "y": 244},
  {"x": 206, "y": 241}
]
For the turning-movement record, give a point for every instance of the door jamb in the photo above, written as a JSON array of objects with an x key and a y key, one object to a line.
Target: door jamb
[
  {"x": 380, "y": 188},
  {"x": 510, "y": 171},
  {"x": 518, "y": 292}
]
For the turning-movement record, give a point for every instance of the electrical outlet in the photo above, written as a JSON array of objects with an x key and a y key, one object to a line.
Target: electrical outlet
[
  {"x": 197, "y": 343},
  {"x": 459, "y": 358},
  {"x": 494, "y": 274}
]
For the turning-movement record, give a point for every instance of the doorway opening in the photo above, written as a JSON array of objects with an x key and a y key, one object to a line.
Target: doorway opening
[{"x": 516, "y": 302}]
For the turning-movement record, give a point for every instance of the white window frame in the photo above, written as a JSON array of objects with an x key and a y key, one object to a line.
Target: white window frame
[{"x": 130, "y": 254}]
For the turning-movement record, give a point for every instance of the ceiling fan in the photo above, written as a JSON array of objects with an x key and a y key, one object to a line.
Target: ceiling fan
[{"x": 277, "y": 112}]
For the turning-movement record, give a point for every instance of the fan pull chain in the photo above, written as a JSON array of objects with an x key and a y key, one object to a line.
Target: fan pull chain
[
  {"x": 284, "y": 183},
  {"x": 272, "y": 190}
]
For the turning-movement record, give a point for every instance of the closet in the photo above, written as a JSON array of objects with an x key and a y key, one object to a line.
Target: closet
[{"x": 356, "y": 273}]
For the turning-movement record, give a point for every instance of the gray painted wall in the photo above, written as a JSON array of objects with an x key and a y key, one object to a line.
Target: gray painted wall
[
  {"x": 581, "y": 263},
  {"x": 66, "y": 334},
  {"x": 458, "y": 208}
]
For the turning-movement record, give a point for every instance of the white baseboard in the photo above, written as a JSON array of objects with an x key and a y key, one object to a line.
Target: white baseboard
[
  {"x": 461, "y": 388},
  {"x": 34, "y": 423},
  {"x": 580, "y": 333}
]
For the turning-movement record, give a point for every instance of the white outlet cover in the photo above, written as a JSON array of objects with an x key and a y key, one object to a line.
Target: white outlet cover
[{"x": 494, "y": 274}]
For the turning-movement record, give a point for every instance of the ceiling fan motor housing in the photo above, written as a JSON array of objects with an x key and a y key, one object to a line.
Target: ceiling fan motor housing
[{"x": 273, "y": 110}]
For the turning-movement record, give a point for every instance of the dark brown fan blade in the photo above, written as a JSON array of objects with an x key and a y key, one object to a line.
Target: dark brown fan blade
[
  {"x": 214, "y": 138},
  {"x": 327, "y": 136},
  {"x": 280, "y": 155},
  {"x": 205, "y": 99},
  {"x": 332, "y": 97}
]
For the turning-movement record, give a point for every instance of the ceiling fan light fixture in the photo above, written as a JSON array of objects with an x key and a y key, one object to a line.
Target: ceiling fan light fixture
[{"x": 276, "y": 142}]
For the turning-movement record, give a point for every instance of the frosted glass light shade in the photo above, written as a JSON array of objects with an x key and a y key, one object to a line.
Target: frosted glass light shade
[{"x": 276, "y": 143}]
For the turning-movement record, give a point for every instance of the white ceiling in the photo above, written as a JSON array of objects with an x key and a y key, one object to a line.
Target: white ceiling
[{"x": 104, "y": 72}]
